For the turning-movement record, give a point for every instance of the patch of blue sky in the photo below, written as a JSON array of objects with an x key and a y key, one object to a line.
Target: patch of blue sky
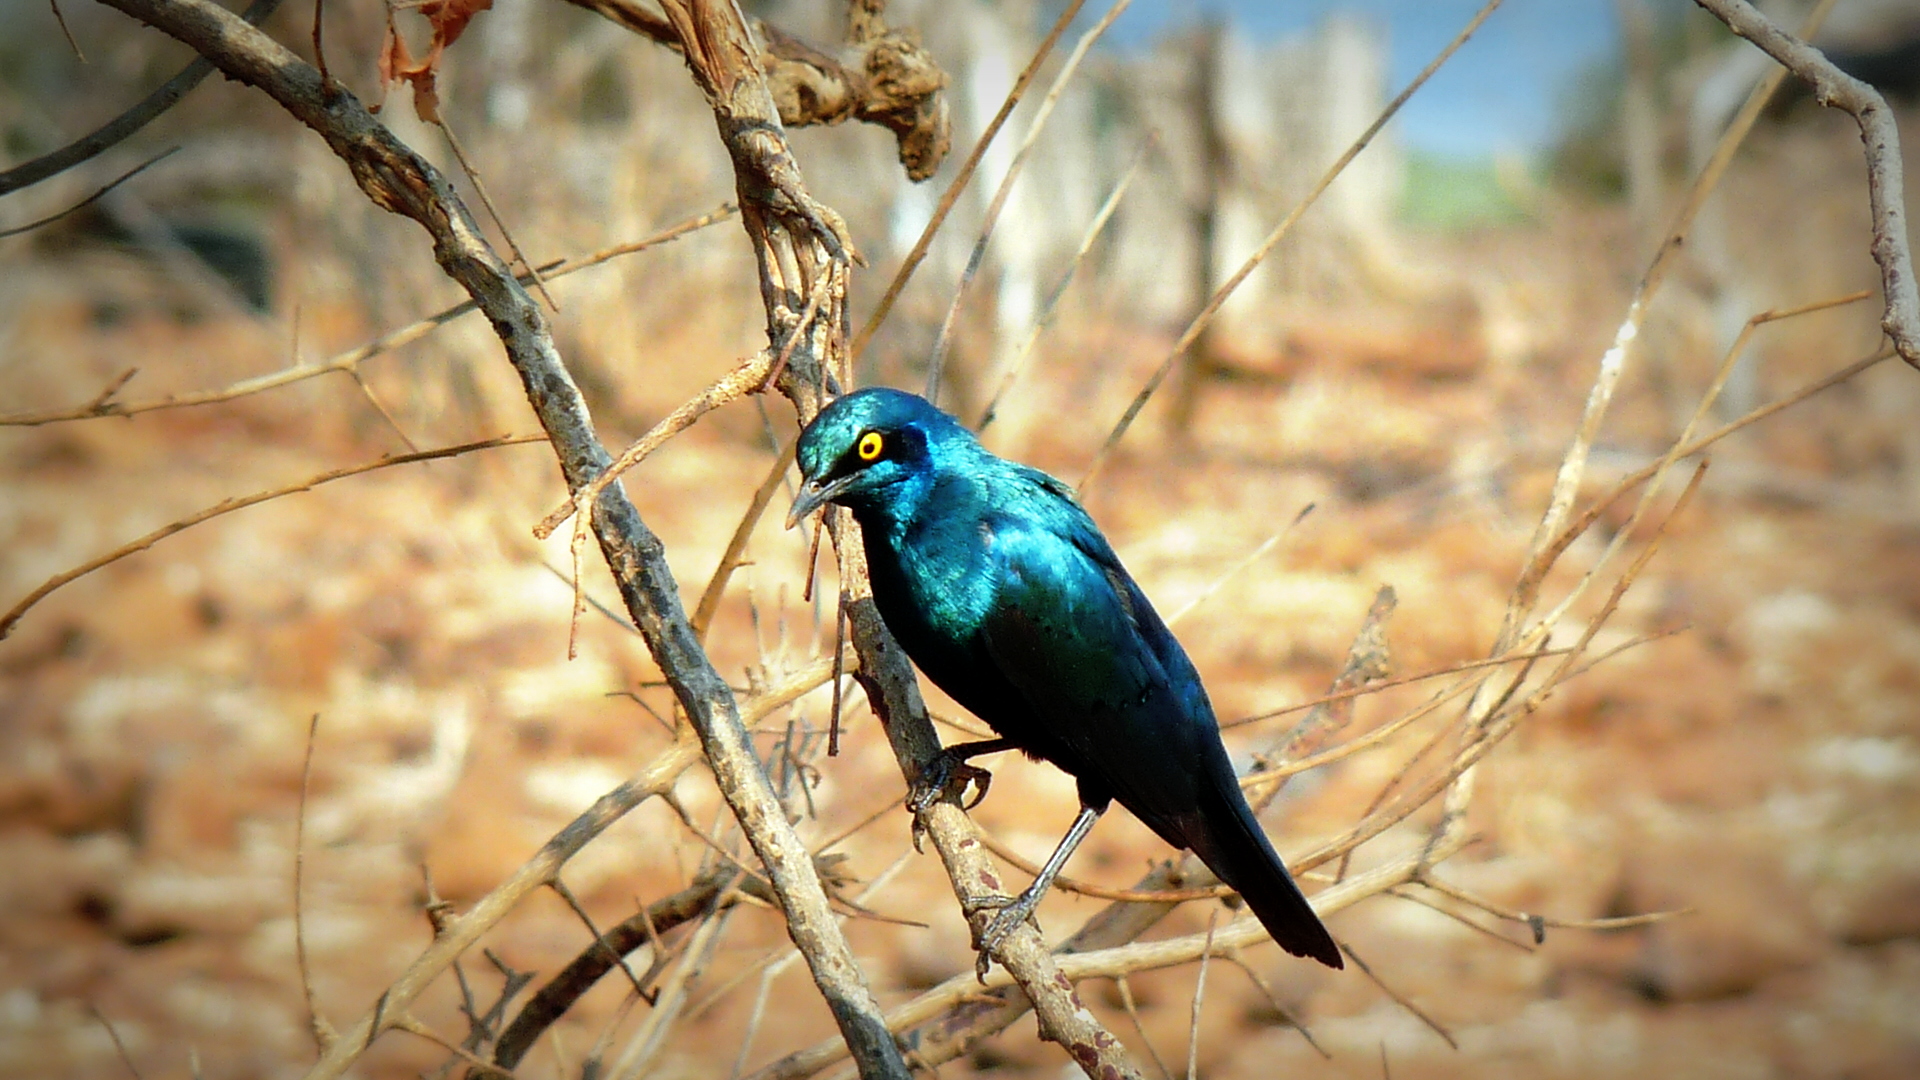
[{"x": 1501, "y": 93}]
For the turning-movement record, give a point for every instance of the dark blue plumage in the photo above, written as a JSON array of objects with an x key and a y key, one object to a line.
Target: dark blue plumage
[{"x": 1006, "y": 595}]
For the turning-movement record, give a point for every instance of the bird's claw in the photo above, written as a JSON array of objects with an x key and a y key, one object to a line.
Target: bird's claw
[
  {"x": 948, "y": 776},
  {"x": 1013, "y": 910}
]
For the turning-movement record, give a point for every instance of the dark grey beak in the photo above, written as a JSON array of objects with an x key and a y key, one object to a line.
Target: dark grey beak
[{"x": 813, "y": 495}]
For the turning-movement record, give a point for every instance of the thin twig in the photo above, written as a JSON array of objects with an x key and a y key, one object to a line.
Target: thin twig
[
  {"x": 1398, "y": 998},
  {"x": 319, "y": 46},
  {"x": 943, "y": 341},
  {"x": 114, "y": 131},
  {"x": 952, "y": 195},
  {"x": 406, "y": 1023},
  {"x": 559, "y": 886},
  {"x": 499, "y": 222},
  {"x": 351, "y": 359},
  {"x": 381, "y": 408},
  {"x": 1273, "y": 999},
  {"x": 1133, "y": 1013},
  {"x": 710, "y": 597},
  {"x": 743, "y": 379},
  {"x": 1018, "y": 364},
  {"x": 1538, "y": 923},
  {"x": 1655, "y": 472},
  {"x": 1412, "y": 896},
  {"x": 753, "y": 1022},
  {"x": 118, "y": 1046},
  {"x": 1387, "y": 684},
  {"x": 1236, "y": 569},
  {"x": 672, "y": 998},
  {"x": 116, "y": 182},
  {"x": 323, "y": 1034},
  {"x": 1879, "y": 131},
  {"x": 1220, "y": 295},
  {"x": 1199, "y": 996},
  {"x": 228, "y": 506},
  {"x": 61, "y": 18}
]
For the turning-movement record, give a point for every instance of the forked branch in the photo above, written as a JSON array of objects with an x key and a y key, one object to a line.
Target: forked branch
[
  {"x": 398, "y": 179},
  {"x": 1881, "y": 134}
]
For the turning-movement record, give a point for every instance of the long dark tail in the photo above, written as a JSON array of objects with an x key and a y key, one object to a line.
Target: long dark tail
[{"x": 1232, "y": 844}]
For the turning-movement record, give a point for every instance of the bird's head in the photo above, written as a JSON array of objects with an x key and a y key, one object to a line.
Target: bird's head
[{"x": 869, "y": 447}]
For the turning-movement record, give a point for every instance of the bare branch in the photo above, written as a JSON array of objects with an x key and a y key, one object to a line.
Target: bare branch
[
  {"x": 943, "y": 341},
  {"x": 398, "y": 179},
  {"x": 228, "y": 506},
  {"x": 803, "y": 256},
  {"x": 960, "y": 1009},
  {"x": 114, "y": 131},
  {"x": 954, "y": 190},
  {"x": 118, "y": 1046},
  {"x": 349, "y": 361},
  {"x": 1880, "y": 133},
  {"x": 114, "y": 183},
  {"x": 1094, "y": 228},
  {"x": 1220, "y": 295},
  {"x": 1613, "y": 362},
  {"x": 885, "y": 78},
  {"x": 322, "y": 1031}
]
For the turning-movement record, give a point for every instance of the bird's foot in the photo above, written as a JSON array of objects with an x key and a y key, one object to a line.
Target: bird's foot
[
  {"x": 948, "y": 776},
  {"x": 1013, "y": 910},
  {"x": 945, "y": 777}
]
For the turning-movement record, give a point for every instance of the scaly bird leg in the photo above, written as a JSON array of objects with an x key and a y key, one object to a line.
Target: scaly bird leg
[
  {"x": 1019, "y": 909},
  {"x": 948, "y": 775}
]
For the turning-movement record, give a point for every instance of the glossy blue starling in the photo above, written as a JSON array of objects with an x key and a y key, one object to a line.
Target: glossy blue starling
[{"x": 1006, "y": 595}]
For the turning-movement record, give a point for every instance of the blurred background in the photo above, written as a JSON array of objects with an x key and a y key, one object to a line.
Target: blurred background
[{"x": 1411, "y": 362}]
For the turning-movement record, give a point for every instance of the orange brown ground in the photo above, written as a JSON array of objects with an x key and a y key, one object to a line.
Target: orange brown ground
[{"x": 1761, "y": 768}]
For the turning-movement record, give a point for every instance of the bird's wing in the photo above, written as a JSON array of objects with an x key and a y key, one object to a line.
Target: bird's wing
[{"x": 1073, "y": 635}]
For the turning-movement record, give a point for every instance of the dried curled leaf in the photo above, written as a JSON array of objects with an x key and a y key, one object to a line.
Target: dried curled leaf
[{"x": 448, "y": 19}]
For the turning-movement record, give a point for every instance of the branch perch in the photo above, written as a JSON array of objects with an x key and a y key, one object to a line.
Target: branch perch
[
  {"x": 398, "y": 179},
  {"x": 1880, "y": 133}
]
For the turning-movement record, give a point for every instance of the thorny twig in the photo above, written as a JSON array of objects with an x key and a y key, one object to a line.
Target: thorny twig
[{"x": 1514, "y": 634}]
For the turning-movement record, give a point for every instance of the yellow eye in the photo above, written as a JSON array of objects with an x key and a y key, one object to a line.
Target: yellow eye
[{"x": 871, "y": 446}]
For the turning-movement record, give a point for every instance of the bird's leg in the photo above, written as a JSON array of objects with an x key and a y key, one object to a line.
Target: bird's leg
[
  {"x": 1019, "y": 909},
  {"x": 949, "y": 774}
]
